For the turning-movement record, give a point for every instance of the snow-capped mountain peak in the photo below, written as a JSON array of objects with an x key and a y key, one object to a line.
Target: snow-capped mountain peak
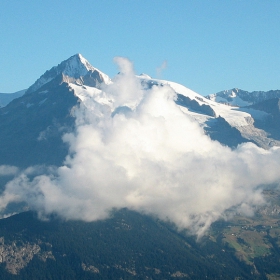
[
  {"x": 75, "y": 67},
  {"x": 84, "y": 62}
]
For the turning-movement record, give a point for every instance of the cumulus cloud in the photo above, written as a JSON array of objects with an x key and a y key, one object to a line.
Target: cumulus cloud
[{"x": 140, "y": 151}]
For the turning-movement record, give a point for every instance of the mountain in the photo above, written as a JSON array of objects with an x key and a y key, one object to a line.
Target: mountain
[
  {"x": 241, "y": 98},
  {"x": 263, "y": 108},
  {"x": 130, "y": 245},
  {"x": 34, "y": 141},
  {"x": 76, "y": 69},
  {"x": 126, "y": 246},
  {"x": 42, "y": 115},
  {"x": 6, "y": 98},
  {"x": 271, "y": 122},
  {"x": 214, "y": 117}
]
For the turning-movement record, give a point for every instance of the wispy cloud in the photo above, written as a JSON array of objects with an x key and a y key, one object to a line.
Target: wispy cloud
[{"x": 161, "y": 68}]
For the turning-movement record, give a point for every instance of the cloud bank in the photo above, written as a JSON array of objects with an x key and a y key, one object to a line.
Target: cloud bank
[{"x": 139, "y": 150}]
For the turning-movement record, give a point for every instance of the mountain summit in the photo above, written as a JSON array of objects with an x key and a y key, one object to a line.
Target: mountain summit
[
  {"x": 75, "y": 69},
  {"x": 35, "y": 123}
]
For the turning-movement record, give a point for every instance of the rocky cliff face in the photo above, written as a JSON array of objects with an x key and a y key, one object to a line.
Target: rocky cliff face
[{"x": 17, "y": 254}]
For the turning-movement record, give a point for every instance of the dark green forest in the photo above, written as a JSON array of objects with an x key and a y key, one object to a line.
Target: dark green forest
[{"x": 129, "y": 246}]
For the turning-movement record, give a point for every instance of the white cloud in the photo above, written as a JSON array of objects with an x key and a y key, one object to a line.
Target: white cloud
[{"x": 151, "y": 158}]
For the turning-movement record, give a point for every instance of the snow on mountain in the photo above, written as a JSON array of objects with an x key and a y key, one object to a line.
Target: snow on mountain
[
  {"x": 241, "y": 98},
  {"x": 75, "y": 68},
  {"x": 83, "y": 81},
  {"x": 233, "y": 117},
  {"x": 86, "y": 92},
  {"x": 76, "y": 71},
  {"x": 211, "y": 115}
]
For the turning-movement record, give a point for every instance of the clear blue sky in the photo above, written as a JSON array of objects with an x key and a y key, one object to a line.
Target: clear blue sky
[{"x": 209, "y": 45}]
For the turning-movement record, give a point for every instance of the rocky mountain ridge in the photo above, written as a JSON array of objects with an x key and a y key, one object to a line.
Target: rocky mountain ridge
[{"x": 241, "y": 98}]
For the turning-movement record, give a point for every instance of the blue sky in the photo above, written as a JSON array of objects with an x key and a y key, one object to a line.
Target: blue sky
[{"x": 207, "y": 45}]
